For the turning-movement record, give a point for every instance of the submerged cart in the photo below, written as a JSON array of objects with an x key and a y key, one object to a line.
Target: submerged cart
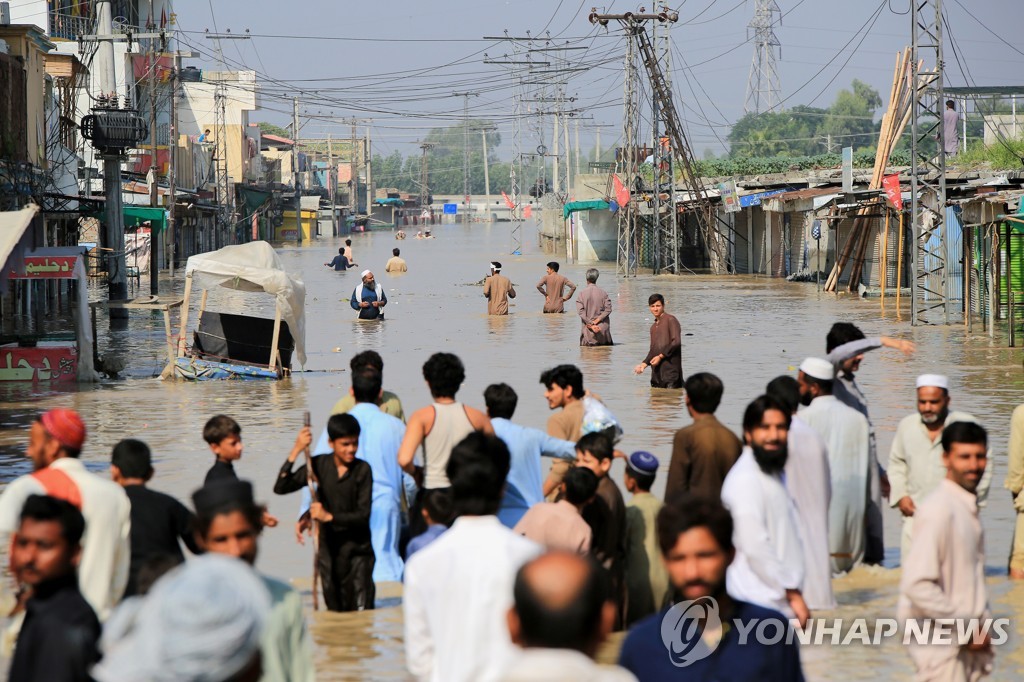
[{"x": 229, "y": 345}]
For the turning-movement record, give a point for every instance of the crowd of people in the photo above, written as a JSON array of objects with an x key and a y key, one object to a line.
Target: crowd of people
[{"x": 511, "y": 573}]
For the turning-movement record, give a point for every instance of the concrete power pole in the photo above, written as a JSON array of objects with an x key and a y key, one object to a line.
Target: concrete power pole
[
  {"x": 332, "y": 181},
  {"x": 154, "y": 244},
  {"x": 368, "y": 163},
  {"x": 295, "y": 169},
  {"x": 487, "y": 179},
  {"x": 172, "y": 168},
  {"x": 465, "y": 145},
  {"x": 763, "y": 86},
  {"x": 129, "y": 133},
  {"x": 353, "y": 154},
  {"x": 425, "y": 175}
]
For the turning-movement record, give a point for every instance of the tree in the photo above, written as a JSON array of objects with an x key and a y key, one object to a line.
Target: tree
[
  {"x": 783, "y": 133},
  {"x": 851, "y": 118},
  {"x": 271, "y": 129}
]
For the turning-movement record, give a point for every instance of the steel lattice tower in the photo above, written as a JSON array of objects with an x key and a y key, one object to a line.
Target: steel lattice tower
[
  {"x": 626, "y": 163},
  {"x": 763, "y": 83},
  {"x": 930, "y": 299}
]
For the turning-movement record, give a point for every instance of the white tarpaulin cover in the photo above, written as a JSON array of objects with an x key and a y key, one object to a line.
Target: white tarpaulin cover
[{"x": 255, "y": 267}]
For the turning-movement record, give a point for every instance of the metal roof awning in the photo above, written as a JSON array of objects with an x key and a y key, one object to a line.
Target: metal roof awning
[{"x": 985, "y": 90}]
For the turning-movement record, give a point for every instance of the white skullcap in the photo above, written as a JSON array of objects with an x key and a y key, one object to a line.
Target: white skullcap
[
  {"x": 936, "y": 380},
  {"x": 364, "y": 273},
  {"x": 202, "y": 621},
  {"x": 817, "y": 368}
]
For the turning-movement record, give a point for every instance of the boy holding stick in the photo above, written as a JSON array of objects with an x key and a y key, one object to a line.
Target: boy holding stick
[{"x": 342, "y": 508}]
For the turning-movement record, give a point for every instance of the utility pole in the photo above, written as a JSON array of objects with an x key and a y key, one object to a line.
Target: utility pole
[
  {"x": 930, "y": 298},
  {"x": 763, "y": 86},
  {"x": 554, "y": 159},
  {"x": 172, "y": 169},
  {"x": 295, "y": 169},
  {"x": 425, "y": 175},
  {"x": 576, "y": 143},
  {"x": 332, "y": 180},
  {"x": 154, "y": 244},
  {"x": 465, "y": 145},
  {"x": 354, "y": 156},
  {"x": 568, "y": 167},
  {"x": 368, "y": 162},
  {"x": 487, "y": 178},
  {"x": 111, "y": 144}
]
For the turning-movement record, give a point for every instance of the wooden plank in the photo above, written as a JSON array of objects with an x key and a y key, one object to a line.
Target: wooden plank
[
  {"x": 184, "y": 316},
  {"x": 277, "y": 334}
]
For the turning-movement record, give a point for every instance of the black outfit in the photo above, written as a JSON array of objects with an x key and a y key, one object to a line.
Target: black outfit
[
  {"x": 158, "y": 520},
  {"x": 346, "y": 555},
  {"x": 220, "y": 471},
  {"x": 606, "y": 516},
  {"x": 58, "y": 640}
]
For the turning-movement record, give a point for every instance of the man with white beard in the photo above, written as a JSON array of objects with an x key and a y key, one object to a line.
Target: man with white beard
[{"x": 915, "y": 461}]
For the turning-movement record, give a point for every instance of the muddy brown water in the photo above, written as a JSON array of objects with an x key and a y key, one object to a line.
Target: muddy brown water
[{"x": 746, "y": 330}]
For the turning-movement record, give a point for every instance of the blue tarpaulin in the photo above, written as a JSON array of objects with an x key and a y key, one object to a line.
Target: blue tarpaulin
[{"x": 389, "y": 202}]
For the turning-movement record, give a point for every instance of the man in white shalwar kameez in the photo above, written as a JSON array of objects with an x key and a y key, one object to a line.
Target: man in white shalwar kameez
[
  {"x": 769, "y": 566},
  {"x": 846, "y": 434},
  {"x": 944, "y": 574},
  {"x": 808, "y": 483},
  {"x": 915, "y": 461}
]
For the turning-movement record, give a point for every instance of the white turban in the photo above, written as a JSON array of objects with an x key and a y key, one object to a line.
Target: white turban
[
  {"x": 817, "y": 368},
  {"x": 201, "y": 622},
  {"x": 364, "y": 273},
  {"x": 933, "y": 380}
]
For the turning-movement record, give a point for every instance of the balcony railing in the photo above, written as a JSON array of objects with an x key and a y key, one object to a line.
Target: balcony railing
[{"x": 68, "y": 26}]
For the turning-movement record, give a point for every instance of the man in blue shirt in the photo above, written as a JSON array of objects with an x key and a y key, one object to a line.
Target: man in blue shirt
[
  {"x": 523, "y": 488},
  {"x": 368, "y": 298},
  {"x": 695, "y": 537},
  {"x": 340, "y": 263},
  {"x": 380, "y": 434}
]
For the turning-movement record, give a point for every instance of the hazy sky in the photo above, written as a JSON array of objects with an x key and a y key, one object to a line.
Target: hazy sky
[{"x": 399, "y": 62}]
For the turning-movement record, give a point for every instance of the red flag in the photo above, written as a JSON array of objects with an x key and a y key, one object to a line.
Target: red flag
[
  {"x": 508, "y": 202},
  {"x": 891, "y": 184},
  {"x": 528, "y": 212},
  {"x": 621, "y": 193}
]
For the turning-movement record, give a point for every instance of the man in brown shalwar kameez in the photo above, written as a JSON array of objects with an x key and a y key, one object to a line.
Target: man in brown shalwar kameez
[
  {"x": 594, "y": 308},
  {"x": 665, "y": 357},
  {"x": 944, "y": 573},
  {"x": 553, "y": 285},
  {"x": 498, "y": 289}
]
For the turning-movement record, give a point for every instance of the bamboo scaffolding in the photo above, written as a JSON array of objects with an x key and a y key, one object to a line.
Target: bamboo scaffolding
[{"x": 894, "y": 121}]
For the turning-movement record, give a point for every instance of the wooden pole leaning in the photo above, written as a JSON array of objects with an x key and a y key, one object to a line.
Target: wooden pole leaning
[{"x": 311, "y": 482}]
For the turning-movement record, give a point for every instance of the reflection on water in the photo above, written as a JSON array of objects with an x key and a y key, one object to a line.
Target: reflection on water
[{"x": 746, "y": 330}]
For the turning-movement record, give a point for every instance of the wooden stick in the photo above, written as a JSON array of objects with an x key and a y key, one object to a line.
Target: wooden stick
[
  {"x": 315, "y": 525},
  {"x": 899, "y": 266},
  {"x": 884, "y": 275}
]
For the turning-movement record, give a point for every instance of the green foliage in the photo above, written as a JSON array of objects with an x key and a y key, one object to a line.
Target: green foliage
[
  {"x": 271, "y": 129},
  {"x": 762, "y": 165},
  {"x": 806, "y": 131},
  {"x": 997, "y": 156},
  {"x": 786, "y": 133}
]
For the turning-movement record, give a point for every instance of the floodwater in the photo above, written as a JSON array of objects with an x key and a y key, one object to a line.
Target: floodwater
[{"x": 745, "y": 329}]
